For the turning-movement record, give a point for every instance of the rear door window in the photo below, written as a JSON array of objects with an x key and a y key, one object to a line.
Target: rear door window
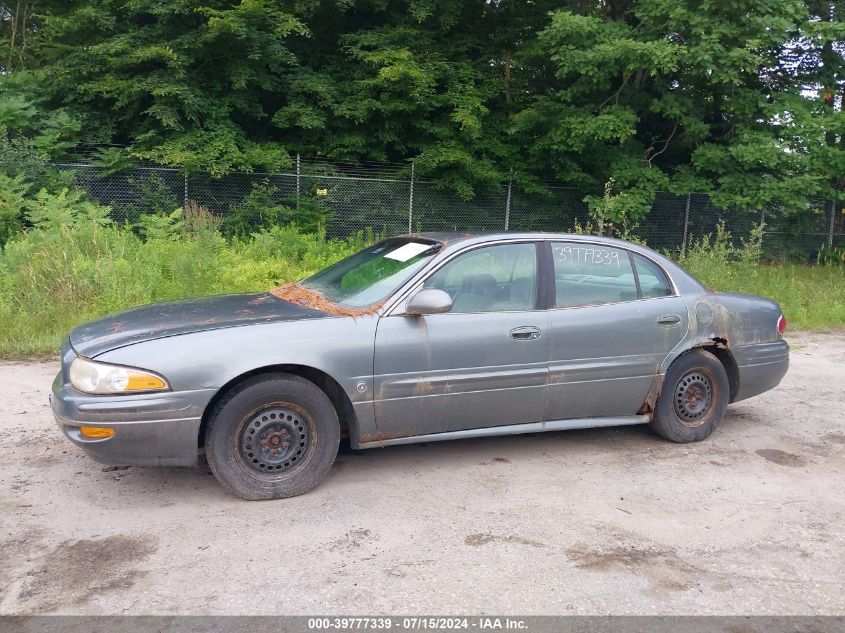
[
  {"x": 591, "y": 274},
  {"x": 653, "y": 281}
]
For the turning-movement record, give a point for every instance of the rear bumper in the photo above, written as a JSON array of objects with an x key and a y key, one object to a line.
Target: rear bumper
[
  {"x": 159, "y": 429},
  {"x": 761, "y": 367}
]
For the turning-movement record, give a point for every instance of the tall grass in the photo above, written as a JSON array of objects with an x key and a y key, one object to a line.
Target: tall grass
[
  {"x": 812, "y": 296},
  {"x": 79, "y": 266},
  {"x": 74, "y": 264}
]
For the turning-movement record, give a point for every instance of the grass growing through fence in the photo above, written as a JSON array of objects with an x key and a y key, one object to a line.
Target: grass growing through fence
[
  {"x": 77, "y": 265},
  {"x": 812, "y": 296},
  {"x": 74, "y": 265}
]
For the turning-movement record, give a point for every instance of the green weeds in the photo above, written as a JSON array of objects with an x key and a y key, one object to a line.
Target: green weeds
[{"x": 72, "y": 263}]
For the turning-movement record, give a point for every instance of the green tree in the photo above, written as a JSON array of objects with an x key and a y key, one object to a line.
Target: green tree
[
  {"x": 657, "y": 94},
  {"x": 182, "y": 82},
  {"x": 741, "y": 99}
]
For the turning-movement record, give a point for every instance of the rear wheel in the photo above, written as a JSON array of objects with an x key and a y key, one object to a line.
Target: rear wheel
[
  {"x": 694, "y": 398},
  {"x": 272, "y": 436}
]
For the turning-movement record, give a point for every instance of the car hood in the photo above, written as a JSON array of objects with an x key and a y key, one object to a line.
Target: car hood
[{"x": 182, "y": 317}]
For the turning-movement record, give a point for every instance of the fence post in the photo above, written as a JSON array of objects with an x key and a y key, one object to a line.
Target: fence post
[
  {"x": 832, "y": 221},
  {"x": 411, "y": 203},
  {"x": 298, "y": 174},
  {"x": 762, "y": 226},
  {"x": 508, "y": 202},
  {"x": 185, "y": 195},
  {"x": 686, "y": 226}
]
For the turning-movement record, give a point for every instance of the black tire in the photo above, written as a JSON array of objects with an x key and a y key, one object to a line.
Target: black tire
[
  {"x": 272, "y": 436},
  {"x": 693, "y": 399}
]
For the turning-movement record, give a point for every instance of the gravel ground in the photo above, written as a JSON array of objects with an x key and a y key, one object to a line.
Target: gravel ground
[{"x": 579, "y": 522}]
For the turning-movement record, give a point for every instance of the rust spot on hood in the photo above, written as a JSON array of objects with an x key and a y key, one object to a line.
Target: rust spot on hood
[{"x": 310, "y": 298}]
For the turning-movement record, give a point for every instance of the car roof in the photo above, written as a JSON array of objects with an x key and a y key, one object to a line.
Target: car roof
[{"x": 457, "y": 237}]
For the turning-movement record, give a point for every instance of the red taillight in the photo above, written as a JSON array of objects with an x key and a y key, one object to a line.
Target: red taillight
[{"x": 781, "y": 324}]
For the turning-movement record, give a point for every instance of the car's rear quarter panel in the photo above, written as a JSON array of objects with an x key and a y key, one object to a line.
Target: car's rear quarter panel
[{"x": 749, "y": 325}]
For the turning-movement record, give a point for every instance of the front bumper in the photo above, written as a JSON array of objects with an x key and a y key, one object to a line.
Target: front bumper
[{"x": 154, "y": 429}]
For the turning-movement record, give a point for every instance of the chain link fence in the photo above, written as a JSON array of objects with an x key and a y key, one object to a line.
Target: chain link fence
[{"x": 388, "y": 199}]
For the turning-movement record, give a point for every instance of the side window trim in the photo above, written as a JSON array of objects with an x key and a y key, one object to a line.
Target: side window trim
[
  {"x": 545, "y": 276},
  {"x": 636, "y": 274}
]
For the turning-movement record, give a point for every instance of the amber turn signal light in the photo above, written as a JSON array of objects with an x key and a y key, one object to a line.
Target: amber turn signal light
[
  {"x": 96, "y": 432},
  {"x": 138, "y": 381}
]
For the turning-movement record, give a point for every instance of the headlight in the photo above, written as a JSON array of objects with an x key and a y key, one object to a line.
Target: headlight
[{"x": 101, "y": 378}]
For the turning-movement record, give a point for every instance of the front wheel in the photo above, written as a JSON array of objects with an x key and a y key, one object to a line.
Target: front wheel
[
  {"x": 272, "y": 436},
  {"x": 694, "y": 398}
]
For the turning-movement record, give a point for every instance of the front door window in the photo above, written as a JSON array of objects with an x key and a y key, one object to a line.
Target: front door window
[{"x": 499, "y": 278}]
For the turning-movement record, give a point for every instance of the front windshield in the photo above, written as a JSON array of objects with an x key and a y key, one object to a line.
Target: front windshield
[{"x": 373, "y": 274}]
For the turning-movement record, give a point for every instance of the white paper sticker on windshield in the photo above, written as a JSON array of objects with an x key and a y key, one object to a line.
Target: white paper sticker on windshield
[{"x": 407, "y": 251}]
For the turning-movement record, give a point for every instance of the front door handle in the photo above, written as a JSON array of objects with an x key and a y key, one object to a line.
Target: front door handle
[
  {"x": 669, "y": 319},
  {"x": 525, "y": 333}
]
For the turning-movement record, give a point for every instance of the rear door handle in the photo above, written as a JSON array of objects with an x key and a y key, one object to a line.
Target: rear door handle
[
  {"x": 669, "y": 319},
  {"x": 525, "y": 333}
]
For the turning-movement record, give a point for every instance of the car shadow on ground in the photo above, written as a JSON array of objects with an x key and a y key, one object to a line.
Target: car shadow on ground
[{"x": 198, "y": 485}]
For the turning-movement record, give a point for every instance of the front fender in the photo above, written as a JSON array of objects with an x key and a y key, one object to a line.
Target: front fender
[{"x": 340, "y": 347}]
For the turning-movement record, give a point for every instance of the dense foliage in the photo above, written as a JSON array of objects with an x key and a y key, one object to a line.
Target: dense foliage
[
  {"x": 74, "y": 264},
  {"x": 620, "y": 98},
  {"x": 742, "y": 99}
]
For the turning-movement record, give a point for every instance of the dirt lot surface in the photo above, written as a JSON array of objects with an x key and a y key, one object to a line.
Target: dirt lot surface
[{"x": 751, "y": 521}]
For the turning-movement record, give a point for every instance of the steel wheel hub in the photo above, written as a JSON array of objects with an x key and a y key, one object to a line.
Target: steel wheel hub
[
  {"x": 274, "y": 440},
  {"x": 692, "y": 398}
]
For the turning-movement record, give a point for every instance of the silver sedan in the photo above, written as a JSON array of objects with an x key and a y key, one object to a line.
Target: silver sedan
[{"x": 419, "y": 338}]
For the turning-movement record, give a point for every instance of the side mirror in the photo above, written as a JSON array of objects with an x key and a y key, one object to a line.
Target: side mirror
[{"x": 429, "y": 301}]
